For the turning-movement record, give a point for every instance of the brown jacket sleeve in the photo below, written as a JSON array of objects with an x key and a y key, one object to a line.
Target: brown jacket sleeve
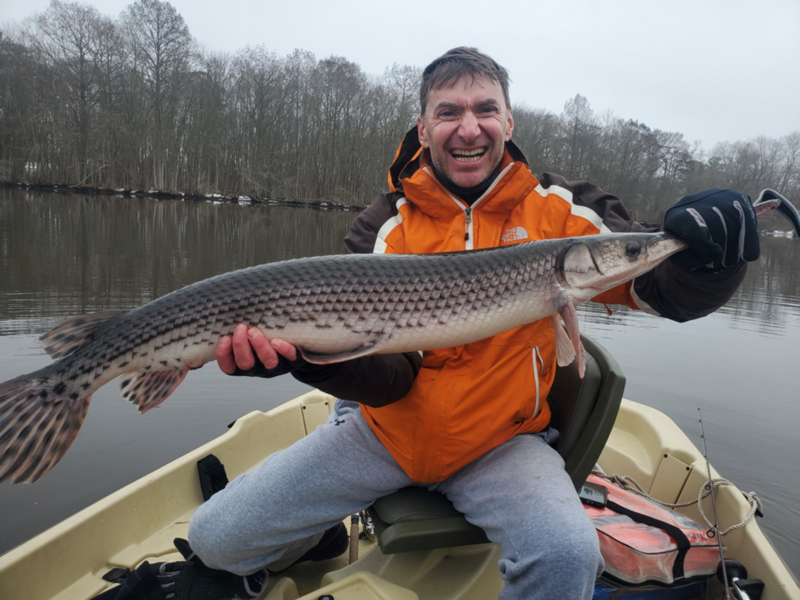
[
  {"x": 363, "y": 234},
  {"x": 667, "y": 290}
]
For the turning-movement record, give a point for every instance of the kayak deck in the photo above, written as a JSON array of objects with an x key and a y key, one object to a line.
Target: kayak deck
[{"x": 139, "y": 521}]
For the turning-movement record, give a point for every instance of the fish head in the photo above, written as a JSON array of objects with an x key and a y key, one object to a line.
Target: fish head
[{"x": 589, "y": 265}]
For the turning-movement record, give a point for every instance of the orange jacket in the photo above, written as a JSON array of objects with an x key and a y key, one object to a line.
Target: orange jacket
[{"x": 469, "y": 399}]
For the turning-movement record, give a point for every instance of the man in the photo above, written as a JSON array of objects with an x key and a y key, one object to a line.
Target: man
[{"x": 470, "y": 422}]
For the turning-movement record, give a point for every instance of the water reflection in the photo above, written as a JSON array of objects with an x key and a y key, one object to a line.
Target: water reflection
[
  {"x": 61, "y": 256},
  {"x": 67, "y": 255}
]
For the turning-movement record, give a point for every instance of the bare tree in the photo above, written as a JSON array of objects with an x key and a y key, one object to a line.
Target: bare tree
[
  {"x": 580, "y": 134},
  {"x": 161, "y": 53},
  {"x": 68, "y": 38}
]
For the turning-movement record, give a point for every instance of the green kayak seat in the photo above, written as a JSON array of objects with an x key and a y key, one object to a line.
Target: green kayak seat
[{"x": 583, "y": 411}]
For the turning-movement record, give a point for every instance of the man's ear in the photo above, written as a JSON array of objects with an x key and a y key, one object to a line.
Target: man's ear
[
  {"x": 510, "y": 125},
  {"x": 422, "y": 132}
]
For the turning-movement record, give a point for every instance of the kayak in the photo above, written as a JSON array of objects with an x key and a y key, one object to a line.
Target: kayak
[{"x": 140, "y": 521}]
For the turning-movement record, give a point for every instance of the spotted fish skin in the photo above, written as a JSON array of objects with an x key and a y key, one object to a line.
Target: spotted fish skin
[{"x": 332, "y": 308}]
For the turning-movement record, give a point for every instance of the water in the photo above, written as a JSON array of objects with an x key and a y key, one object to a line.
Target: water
[{"x": 62, "y": 255}]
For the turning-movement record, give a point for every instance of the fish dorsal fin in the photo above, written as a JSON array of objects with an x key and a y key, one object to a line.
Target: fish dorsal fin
[
  {"x": 148, "y": 389},
  {"x": 71, "y": 335}
]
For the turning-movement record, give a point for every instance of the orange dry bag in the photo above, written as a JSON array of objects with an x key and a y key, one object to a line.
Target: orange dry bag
[{"x": 644, "y": 543}]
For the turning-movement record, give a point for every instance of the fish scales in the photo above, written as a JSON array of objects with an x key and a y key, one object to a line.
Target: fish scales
[{"x": 332, "y": 308}]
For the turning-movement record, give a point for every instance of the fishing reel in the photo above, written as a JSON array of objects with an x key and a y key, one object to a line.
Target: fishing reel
[{"x": 742, "y": 587}]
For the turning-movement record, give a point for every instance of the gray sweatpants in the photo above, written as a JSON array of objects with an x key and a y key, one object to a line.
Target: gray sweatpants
[{"x": 518, "y": 493}]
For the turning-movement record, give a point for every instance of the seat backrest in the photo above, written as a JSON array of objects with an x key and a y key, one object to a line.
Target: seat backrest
[{"x": 583, "y": 411}]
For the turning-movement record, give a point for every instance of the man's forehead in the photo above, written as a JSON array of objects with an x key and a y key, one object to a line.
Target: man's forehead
[{"x": 467, "y": 89}]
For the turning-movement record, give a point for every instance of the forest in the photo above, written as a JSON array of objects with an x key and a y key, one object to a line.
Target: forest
[{"x": 136, "y": 102}]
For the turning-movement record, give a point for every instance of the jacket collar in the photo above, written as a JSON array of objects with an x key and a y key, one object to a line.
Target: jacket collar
[{"x": 412, "y": 175}]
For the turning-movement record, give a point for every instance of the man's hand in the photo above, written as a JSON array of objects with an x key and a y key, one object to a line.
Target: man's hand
[
  {"x": 719, "y": 226},
  {"x": 248, "y": 347}
]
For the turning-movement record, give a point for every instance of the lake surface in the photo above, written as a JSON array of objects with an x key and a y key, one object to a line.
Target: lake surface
[{"x": 63, "y": 255}]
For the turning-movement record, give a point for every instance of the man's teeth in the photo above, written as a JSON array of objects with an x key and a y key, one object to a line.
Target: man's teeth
[{"x": 468, "y": 155}]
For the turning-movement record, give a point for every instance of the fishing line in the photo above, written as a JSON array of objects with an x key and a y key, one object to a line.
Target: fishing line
[{"x": 715, "y": 529}]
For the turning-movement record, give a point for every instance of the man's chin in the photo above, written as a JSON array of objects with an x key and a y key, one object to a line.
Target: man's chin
[
  {"x": 465, "y": 177},
  {"x": 467, "y": 180}
]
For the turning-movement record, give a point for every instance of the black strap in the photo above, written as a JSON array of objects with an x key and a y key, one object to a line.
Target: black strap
[
  {"x": 212, "y": 476},
  {"x": 117, "y": 574},
  {"x": 140, "y": 584},
  {"x": 674, "y": 532}
]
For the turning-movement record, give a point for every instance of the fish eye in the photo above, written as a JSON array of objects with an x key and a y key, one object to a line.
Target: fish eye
[{"x": 633, "y": 249}]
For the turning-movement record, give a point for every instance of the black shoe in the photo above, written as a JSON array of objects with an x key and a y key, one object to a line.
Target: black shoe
[{"x": 333, "y": 543}]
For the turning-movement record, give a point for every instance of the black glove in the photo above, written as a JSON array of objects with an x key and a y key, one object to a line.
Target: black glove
[
  {"x": 719, "y": 226},
  {"x": 188, "y": 579},
  {"x": 298, "y": 365},
  {"x": 192, "y": 580}
]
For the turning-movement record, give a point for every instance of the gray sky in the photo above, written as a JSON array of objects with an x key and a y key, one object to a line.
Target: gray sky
[{"x": 714, "y": 70}]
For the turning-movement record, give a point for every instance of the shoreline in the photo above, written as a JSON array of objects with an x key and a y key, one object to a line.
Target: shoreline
[{"x": 244, "y": 200}]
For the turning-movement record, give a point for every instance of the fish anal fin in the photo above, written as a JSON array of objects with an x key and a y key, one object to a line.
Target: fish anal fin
[
  {"x": 71, "y": 335},
  {"x": 568, "y": 342},
  {"x": 369, "y": 347},
  {"x": 148, "y": 389}
]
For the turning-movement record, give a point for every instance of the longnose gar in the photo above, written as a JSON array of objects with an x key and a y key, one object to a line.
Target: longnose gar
[{"x": 333, "y": 308}]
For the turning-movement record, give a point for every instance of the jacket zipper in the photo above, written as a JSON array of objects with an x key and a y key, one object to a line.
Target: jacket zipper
[
  {"x": 468, "y": 210},
  {"x": 537, "y": 360}
]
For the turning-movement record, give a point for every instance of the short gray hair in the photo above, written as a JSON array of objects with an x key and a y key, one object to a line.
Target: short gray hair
[{"x": 457, "y": 63}]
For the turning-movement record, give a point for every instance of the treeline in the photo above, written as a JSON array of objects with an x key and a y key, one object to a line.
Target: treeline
[
  {"x": 136, "y": 103},
  {"x": 649, "y": 168}
]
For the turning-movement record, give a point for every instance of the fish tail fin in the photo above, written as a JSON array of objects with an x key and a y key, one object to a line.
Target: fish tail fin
[{"x": 40, "y": 415}]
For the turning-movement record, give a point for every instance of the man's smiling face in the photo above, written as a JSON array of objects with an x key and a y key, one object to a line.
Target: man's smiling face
[{"x": 465, "y": 127}]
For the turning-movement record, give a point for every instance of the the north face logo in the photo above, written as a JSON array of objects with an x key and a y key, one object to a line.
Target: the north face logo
[{"x": 514, "y": 235}]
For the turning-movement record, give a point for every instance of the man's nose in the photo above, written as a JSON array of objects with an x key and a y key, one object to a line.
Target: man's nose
[{"x": 469, "y": 129}]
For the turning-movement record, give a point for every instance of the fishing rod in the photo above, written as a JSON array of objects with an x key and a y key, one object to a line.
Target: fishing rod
[{"x": 715, "y": 529}]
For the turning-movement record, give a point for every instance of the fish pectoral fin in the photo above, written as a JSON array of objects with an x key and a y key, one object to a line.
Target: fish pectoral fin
[
  {"x": 148, "y": 389},
  {"x": 369, "y": 347},
  {"x": 568, "y": 341},
  {"x": 565, "y": 353},
  {"x": 71, "y": 335}
]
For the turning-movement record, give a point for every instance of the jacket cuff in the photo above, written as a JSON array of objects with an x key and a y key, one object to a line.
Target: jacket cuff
[{"x": 682, "y": 295}]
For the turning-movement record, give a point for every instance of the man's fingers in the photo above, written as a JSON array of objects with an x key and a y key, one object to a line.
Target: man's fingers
[
  {"x": 225, "y": 356},
  {"x": 264, "y": 350},
  {"x": 285, "y": 349},
  {"x": 242, "y": 351},
  {"x": 248, "y": 343}
]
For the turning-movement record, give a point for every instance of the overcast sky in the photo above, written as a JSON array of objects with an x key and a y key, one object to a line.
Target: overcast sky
[{"x": 714, "y": 70}]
